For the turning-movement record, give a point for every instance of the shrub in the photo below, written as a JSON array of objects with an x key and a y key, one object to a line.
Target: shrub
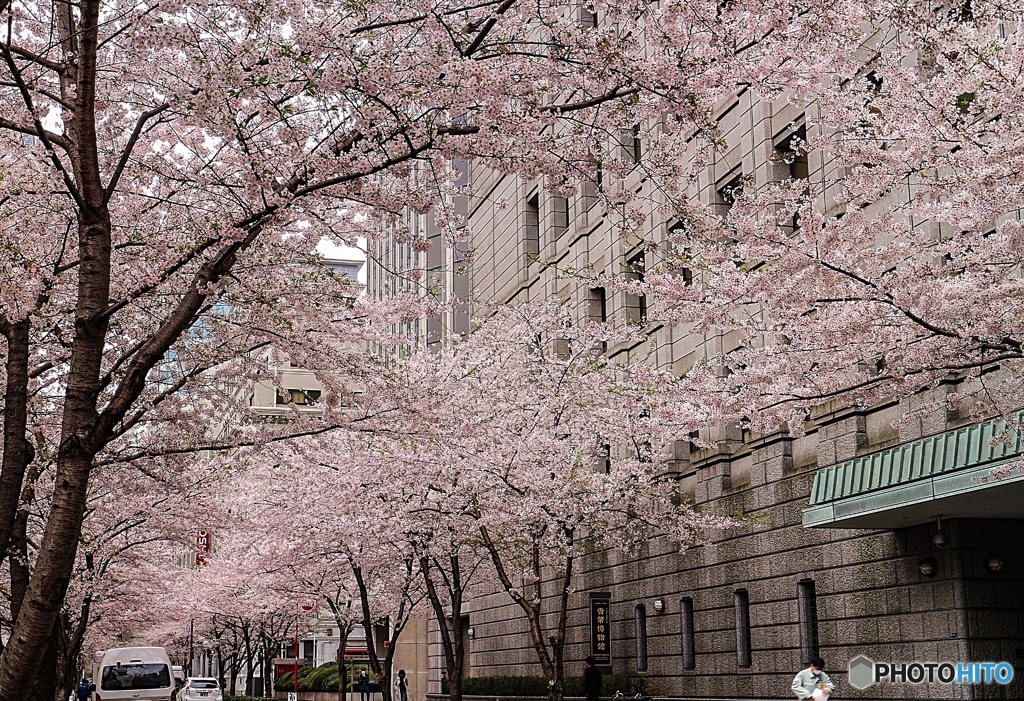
[
  {"x": 323, "y": 678},
  {"x": 286, "y": 681}
]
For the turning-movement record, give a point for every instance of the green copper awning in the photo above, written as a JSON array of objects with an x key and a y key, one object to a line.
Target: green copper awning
[{"x": 948, "y": 474}]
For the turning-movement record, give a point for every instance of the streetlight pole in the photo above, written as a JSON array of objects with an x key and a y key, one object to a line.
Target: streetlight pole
[
  {"x": 295, "y": 680},
  {"x": 299, "y": 608}
]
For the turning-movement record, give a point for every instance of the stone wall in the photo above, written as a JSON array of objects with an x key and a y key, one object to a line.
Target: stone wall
[{"x": 871, "y": 596}]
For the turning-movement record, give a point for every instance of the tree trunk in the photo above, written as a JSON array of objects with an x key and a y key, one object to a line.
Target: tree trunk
[
  {"x": 234, "y": 673},
  {"x": 381, "y": 668},
  {"x": 344, "y": 631},
  {"x": 449, "y": 627},
  {"x": 18, "y": 450},
  {"x": 550, "y": 651},
  {"x": 69, "y": 649},
  {"x": 250, "y": 659},
  {"x": 220, "y": 668},
  {"x": 31, "y": 634},
  {"x": 269, "y": 653},
  {"x": 45, "y": 686}
]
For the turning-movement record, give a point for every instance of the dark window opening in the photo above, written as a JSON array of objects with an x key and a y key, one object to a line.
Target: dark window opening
[
  {"x": 687, "y": 633},
  {"x": 727, "y": 195},
  {"x": 693, "y": 438},
  {"x": 792, "y": 151},
  {"x": 636, "y": 145},
  {"x": 531, "y": 226},
  {"x": 677, "y": 233},
  {"x": 597, "y": 302},
  {"x": 808, "y": 617},
  {"x": 640, "y": 613},
  {"x": 636, "y": 304},
  {"x": 588, "y": 18},
  {"x": 741, "y": 609}
]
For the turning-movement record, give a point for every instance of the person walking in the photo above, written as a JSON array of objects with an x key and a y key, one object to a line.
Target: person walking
[
  {"x": 591, "y": 679},
  {"x": 402, "y": 686},
  {"x": 813, "y": 683},
  {"x": 83, "y": 690},
  {"x": 364, "y": 686}
]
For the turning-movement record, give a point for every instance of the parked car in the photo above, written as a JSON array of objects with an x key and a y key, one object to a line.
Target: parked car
[{"x": 200, "y": 689}]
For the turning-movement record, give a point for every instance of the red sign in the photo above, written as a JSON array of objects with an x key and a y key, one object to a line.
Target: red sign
[{"x": 202, "y": 547}]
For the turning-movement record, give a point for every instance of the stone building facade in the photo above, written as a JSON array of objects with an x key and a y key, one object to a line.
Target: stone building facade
[{"x": 863, "y": 537}]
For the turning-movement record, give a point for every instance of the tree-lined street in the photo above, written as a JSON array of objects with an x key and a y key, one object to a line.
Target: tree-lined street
[{"x": 174, "y": 170}]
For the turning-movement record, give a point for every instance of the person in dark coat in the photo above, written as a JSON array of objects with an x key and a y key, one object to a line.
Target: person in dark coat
[
  {"x": 364, "y": 686},
  {"x": 83, "y": 690},
  {"x": 591, "y": 680}
]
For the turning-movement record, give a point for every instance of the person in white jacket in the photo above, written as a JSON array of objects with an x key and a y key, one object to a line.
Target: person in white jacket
[
  {"x": 812, "y": 679},
  {"x": 402, "y": 686}
]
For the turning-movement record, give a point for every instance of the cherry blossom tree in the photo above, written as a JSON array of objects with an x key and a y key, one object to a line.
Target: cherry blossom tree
[
  {"x": 128, "y": 539},
  {"x": 178, "y": 163},
  {"x": 500, "y": 451},
  {"x": 331, "y": 554},
  {"x": 889, "y": 262}
]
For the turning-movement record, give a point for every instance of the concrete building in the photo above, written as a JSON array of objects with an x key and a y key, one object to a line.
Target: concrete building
[
  {"x": 871, "y": 534},
  {"x": 394, "y": 265}
]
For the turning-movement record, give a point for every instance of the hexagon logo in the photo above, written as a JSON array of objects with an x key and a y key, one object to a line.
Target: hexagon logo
[{"x": 862, "y": 672}]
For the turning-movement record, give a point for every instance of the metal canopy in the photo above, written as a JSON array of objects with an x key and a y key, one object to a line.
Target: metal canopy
[{"x": 948, "y": 474}]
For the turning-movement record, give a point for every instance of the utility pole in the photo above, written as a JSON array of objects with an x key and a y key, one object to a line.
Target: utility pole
[{"x": 191, "y": 631}]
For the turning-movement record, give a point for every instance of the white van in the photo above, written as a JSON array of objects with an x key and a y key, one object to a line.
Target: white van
[{"x": 136, "y": 673}]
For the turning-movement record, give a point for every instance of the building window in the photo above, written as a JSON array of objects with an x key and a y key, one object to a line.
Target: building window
[
  {"x": 604, "y": 458},
  {"x": 640, "y": 613},
  {"x": 531, "y": 226},
  {"x": 686, "y": 632},
  {"x": 597, "y": 303},
  {"x": 792, "y": 151},
  {"x": 727, "y": 195},
  {"x": 304, "y": 397},
  {"x": 807, "y": 604},
  {"x": 588, "y": 18},
  {"x": 741, "y": 608},
  {"x": 560, "y": 210},
  {"x": 678, "y": 233},
  {"x": 636, "y": 304}
]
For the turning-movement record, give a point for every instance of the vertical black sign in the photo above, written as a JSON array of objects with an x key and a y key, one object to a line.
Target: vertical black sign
[{"x": 601, "y": 628}]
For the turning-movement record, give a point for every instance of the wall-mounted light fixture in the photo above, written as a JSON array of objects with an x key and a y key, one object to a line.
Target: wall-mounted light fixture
[
  {"x": 928, "y": 566},
  {"x": 939, "y": 540},
  {"x": 994, "y": 563},
  {"x": 471, "y": 632},
  {"x": 659, "y": 606}
]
